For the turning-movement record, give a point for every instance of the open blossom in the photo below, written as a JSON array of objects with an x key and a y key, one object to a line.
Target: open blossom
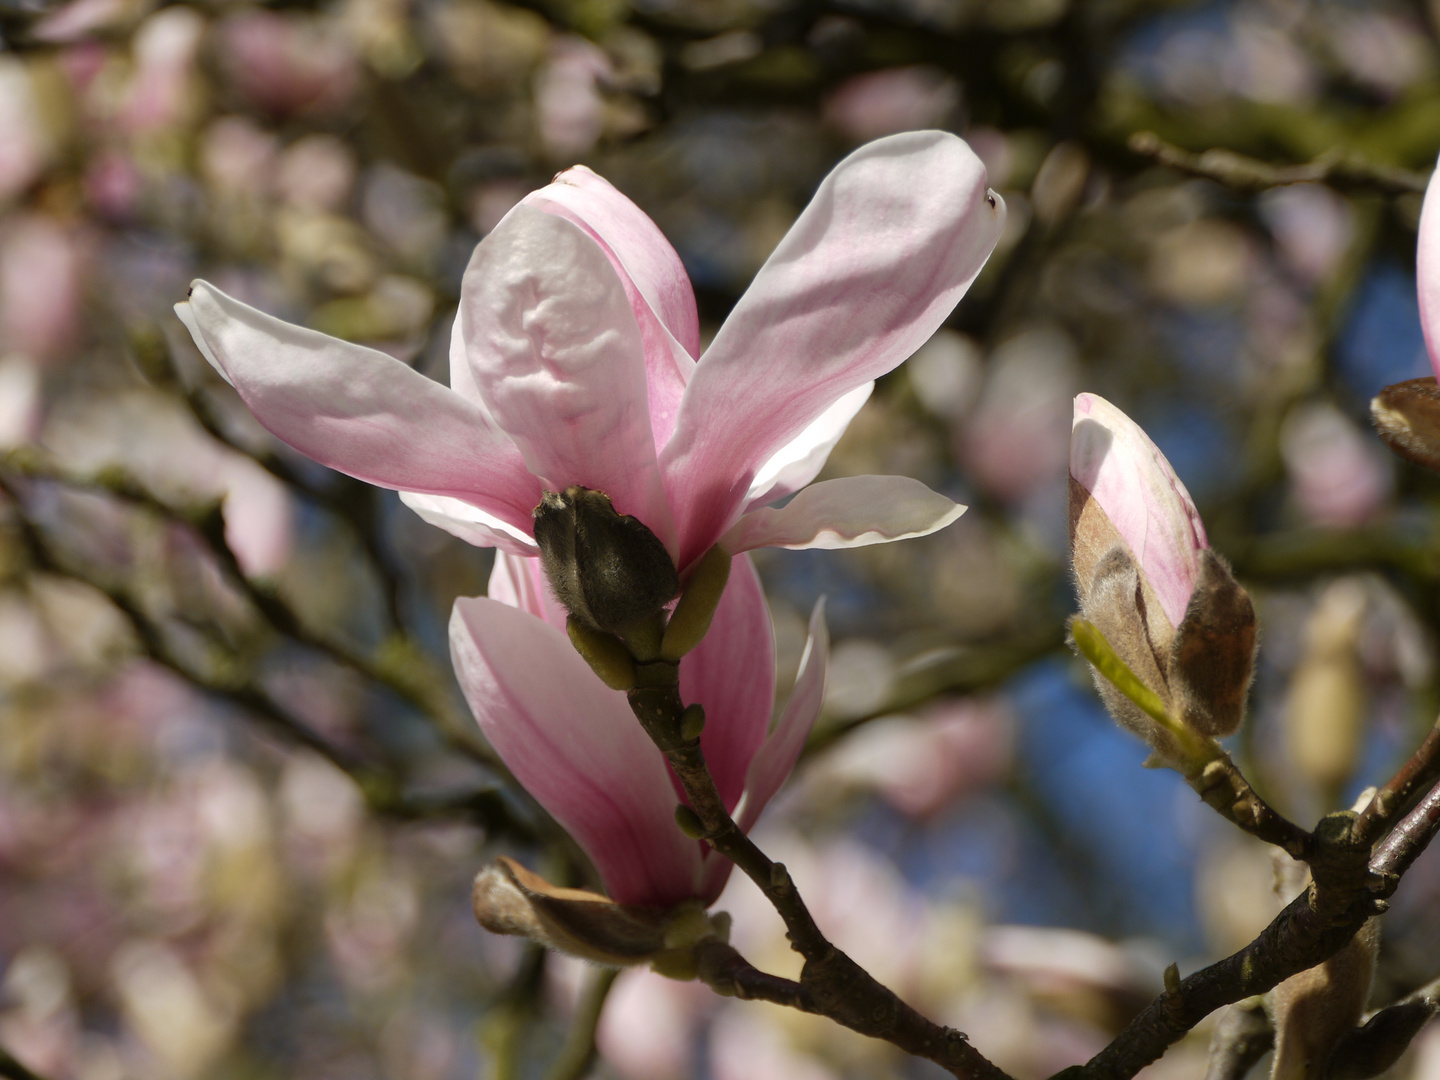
[
  {"x": 577, "y": 748},
  {"x": 1149, "y": 582},
  {"x": 574, "y": 362}
]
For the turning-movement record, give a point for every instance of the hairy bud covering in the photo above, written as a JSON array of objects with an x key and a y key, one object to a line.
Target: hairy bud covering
[
  {"x": 607, "y": 568},
  {"x": 1147, "y": 579}
]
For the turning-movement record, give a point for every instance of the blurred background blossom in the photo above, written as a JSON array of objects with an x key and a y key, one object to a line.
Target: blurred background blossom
[{"x": 240, "y": 801}]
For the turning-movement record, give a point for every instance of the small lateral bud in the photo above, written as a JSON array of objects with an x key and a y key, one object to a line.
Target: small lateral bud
[
  {"x": 608, "y": 569},
  {"x": 692, "y": 615},
  {"x": 689, "y": 822},
  {"x": 1407, "y": 416},
  {"x": 1172, "y": 978},
  {"x": 692, "y": 722},
  {"x": 605, "y": 653}
]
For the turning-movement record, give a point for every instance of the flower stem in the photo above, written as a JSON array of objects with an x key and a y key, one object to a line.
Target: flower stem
[{"x": 831, "y": 984}]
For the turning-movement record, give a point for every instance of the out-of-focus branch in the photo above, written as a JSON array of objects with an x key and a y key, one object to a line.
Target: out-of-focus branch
[
  {"x": 1242, "y": 1038},
  {"x": 831, "y": 983},
  {"x": 578, "y": 1053},
  {"x": 1223, "y": 787},
  {"x": 13, "y": 1070},
  {"x": 952, "y": 670},
  {"x": 394, "y": 669},
  {"x": 1341, "y": 169},
  {"x": 381, "y": 786}
]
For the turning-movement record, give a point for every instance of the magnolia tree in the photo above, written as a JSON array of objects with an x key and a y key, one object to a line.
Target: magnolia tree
[
  {"x": 622, "y": 664},
  {"x": 487, "y": 628}
]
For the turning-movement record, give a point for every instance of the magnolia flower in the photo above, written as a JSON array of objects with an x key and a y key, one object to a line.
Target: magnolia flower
[
  {"x": 1148, "y": 580},
  {"x": 578, "y": 749},
  {"x": 574, "y": 362}
]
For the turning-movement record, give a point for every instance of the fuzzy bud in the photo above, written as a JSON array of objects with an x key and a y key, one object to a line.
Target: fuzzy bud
[
  {"x": 609, "y": 570},
  {"x": 1168, "y": 605}
]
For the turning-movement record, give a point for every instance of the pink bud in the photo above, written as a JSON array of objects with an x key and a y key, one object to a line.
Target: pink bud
[{"x": 1115, "y": 464}]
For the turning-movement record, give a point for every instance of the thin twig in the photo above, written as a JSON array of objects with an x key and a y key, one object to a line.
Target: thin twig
[
  {"x": 578, "y": 1053},
  {"x": 1223, "y": 787},
  {"x": 1408, "y": 839},
  {"x": 382, "y": 787},
  {"x": 1420, "y": 770},
  {"x": 833, "y": 984},
  {"x": 1315, "y": 926},
  {"x": 421, "y": 689},
  {"x": 1341, "y": 169}
]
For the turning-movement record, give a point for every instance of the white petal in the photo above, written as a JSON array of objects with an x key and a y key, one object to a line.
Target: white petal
[
  {"x": 853, "y": 511},
  {"x": 469, "y": 523},
  {"x": 800, "y": 460}
]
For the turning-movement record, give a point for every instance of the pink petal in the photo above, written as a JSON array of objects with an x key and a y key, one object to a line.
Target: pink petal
[
  {"x": 800, "y": 460},
  {"x": 577, "y": 748},
  {"x": 853, "y": 511},
  {"x": 777, "y": 756},
  {"x": 358, "y": 410},
  {"x": 469, "y": 523},
  {"x": 1427, "y": 269},
  {"x": 1114, "y": 460},
  {"x": 520, "y": 583},
  {"x": 888, "y": 245},
  {"x": 732, "y": 674},
  {"x": 654, "y": 278},
  {"x": 556, "y": 353}
]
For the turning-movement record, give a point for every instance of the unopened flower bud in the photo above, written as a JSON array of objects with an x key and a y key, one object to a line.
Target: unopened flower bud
[
  {"x": 1407, "y": 416},
  {"x": 1168, "y": 606},
  {"x": 609, "y": 570},
  {"x": 1325, "y": 707}
]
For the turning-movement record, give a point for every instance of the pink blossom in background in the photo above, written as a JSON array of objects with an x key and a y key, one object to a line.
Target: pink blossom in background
[
  {"x": 42, "y": 268},
  {"x": 921, "y": 765},
  {"x": 161, "y": 91},
  {"x": 288, "y": 64},
  {"x": 112, "y": 184},
  {"x": 1340, "y": 477},
  {"x": 1312, "y": 226},
  {"x": 648, "y": 1028},
  {"x": 895, "y": 99},
  {"x": 317, "y": 173},
  {"x": 567, "y": 97},
  {"x": 574, "y": 361},
  {"x": 83, "y": 18},
  {"x": 1014, "y": 442},
  {"x": 1125, "y": 473},
  {"x": 238, "y": 157}
]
